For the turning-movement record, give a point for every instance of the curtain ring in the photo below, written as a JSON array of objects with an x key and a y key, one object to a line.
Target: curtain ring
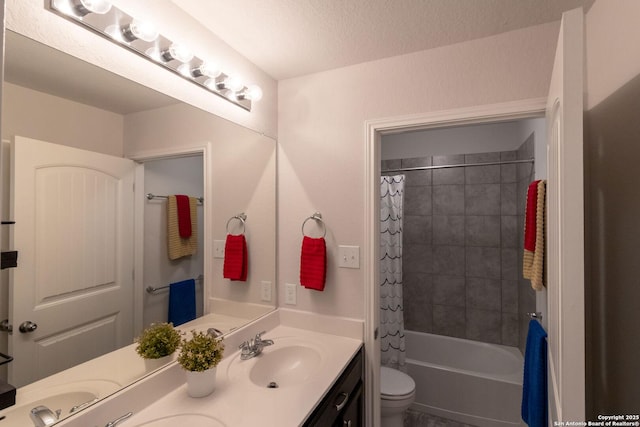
[
  {"x": 242, "y": 217},
  {"x": 317, "y": 217}
]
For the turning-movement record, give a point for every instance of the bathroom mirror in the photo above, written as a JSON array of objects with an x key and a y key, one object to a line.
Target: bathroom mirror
[{"x": 238, "y": 174}]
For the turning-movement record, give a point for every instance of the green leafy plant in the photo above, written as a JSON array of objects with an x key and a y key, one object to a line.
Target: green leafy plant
[
  {"x": 201, "y": 352},
  {"x": 158, "y": 340}
]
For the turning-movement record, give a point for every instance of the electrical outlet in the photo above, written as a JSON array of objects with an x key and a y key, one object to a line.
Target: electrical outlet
[
  {"x": 218, "y": 248},
  {"x": 290, "y": 290},
  {"x": 349, "y": 256},
  {"x": 265, "y": 290}
]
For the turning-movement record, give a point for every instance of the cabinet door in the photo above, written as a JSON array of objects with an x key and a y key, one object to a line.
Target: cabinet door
[
  {"x": 330, "y": 412},
  {"x": 352, "y": 412}
]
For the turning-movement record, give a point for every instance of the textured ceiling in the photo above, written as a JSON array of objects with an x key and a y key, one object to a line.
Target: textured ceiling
[{"x": 289, "y": 38}]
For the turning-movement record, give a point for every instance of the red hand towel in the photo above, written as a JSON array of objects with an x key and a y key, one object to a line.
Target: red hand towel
[
  {"x": 313, "y": 263},
  {"x": 184, "y": 216},
  {"x": 533, "y": 254},
  {"x": 530, "y": 219},
  {"x": 235, "y": 258}
]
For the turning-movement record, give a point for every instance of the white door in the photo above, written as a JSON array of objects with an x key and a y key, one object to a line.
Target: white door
[
  {"x": 74, "y": 236},
  {"x": 565, "y": 265}
]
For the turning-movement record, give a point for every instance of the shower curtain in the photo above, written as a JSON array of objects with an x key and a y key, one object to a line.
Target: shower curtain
[{"x": 391, "y": 306}]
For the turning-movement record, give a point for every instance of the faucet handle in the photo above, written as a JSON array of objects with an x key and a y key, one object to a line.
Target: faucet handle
[{"x": 258, "y": 335}]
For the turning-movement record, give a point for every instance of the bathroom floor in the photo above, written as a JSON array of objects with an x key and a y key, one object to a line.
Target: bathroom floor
[{"x": 421, "y": 419}]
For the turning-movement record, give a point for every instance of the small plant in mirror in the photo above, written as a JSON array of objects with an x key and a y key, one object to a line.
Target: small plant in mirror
[
  {"x": 200, "y": 352},
  {"x": 158, "y": 340}
]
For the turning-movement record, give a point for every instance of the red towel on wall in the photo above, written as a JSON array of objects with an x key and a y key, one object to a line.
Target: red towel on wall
[
  {"x": 534, "y": 235},
  {"x": 313, "y": 263},
  {"x": 235, "y": 258},
  {"x": 184, "y": 216},
  {"x": 530, "y": 219}
]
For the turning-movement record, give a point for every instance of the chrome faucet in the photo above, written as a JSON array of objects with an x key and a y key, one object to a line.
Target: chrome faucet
[
  {"x": 253, "y": 347},
  {"x": 43, "y": 416},
  {"x": 214, "y": 332}
]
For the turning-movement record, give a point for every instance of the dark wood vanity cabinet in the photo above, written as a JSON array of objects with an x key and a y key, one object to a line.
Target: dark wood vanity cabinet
[{"x": 343, "y": 404}]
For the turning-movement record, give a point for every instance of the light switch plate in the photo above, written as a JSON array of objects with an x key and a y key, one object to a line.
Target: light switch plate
[
  {"x": 265, "y": 290},
  {"x": 349, "y": 256},
  {"x": 218, "y": 248},
  {"x": 290, "y": 290}
]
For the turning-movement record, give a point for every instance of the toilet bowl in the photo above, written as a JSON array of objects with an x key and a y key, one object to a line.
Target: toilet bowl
[{"x": 397, "y": 393}]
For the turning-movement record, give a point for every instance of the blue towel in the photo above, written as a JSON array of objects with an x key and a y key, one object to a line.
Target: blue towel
[
  {"x": 534, "y": 386},
  {"x": 182, "y": 302}
]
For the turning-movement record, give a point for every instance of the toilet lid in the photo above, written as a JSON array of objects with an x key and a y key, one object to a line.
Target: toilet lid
[{"x": 395, "y": 383}]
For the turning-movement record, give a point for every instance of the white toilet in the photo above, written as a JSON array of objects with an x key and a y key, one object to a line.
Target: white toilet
[{"x": 397, "y": 393}]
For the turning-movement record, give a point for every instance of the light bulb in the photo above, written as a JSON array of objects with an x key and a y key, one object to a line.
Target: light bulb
[
  {"x": 253, "y": 92},
  {"x": 154, "y": 53},
  {"x": 185, "y": 70},
  {"x": 140, "y": 30},
  {"x": 208, "y": 69},
  {"x": 231, "y": 95},
  {"x": 177, "y": 52},
  {"x": 84, "y": 7},
  {"x": 211, "y": 84},
  {"x": 233, "y": 83},
  {"x": 63, "y": 6}
]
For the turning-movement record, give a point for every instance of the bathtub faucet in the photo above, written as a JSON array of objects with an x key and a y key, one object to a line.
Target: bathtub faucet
[{"x": 253, "y": 347}]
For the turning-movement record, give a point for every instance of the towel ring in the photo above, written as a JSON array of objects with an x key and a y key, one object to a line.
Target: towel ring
[
  {"x": 242, "y": 217},
  {"x": 317, "y": 217}
]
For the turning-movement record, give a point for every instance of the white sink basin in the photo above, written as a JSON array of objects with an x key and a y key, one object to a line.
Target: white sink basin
[
  {"x": 285, "y": 366},
  {"x": 190, "y": 420},
  {"x": 63, "y": 397},
  {"x": 289, "y": 362},
  {"x": 19, "y": 416}
]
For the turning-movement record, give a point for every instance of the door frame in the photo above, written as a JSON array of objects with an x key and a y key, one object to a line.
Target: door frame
[
  {"x": 204, "y": 149},
  {"x": 374, "y": 129}
]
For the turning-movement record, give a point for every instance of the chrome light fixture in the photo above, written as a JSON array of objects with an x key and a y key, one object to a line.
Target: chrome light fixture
[{"x": 144, "y": 39}]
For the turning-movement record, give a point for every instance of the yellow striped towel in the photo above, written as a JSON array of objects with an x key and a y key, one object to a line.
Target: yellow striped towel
[{"x": 179, "y": 247}]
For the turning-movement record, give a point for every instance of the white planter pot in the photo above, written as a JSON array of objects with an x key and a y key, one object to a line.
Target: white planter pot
[
  {"x": 151, "y": 365},
  {"x": 201, "y": 384}
]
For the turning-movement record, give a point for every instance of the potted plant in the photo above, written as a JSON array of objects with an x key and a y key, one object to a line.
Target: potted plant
[
  {"x": 199, "y": 356},
  {"x": 157, "y": 343}
]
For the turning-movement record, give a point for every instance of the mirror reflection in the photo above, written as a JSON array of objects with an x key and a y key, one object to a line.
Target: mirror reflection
[{"x": 88, "y": 249}]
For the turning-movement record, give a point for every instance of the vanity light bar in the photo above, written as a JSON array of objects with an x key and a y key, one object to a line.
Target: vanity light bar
[{"x": 141, "y": 38}]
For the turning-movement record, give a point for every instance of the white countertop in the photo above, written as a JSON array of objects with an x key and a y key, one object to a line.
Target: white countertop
[{"x": 237, "y": 401}]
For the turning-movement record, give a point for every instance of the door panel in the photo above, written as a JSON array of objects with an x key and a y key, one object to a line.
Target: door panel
[
  {"x": 565, "y": 230},
  {"x": 74, "y": 234}
]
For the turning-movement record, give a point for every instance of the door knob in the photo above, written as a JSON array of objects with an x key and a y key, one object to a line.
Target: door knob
[{"x": 28, "y": 326}]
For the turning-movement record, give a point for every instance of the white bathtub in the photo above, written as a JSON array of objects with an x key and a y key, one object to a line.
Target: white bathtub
[{"x": 466, "y": 381}]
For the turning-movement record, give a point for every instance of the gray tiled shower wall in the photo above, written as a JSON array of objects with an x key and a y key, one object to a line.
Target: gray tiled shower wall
[{"x": 462, "y": 240}]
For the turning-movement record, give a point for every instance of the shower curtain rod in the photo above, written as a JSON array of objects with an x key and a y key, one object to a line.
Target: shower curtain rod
[{"x": 420, "y": 168}]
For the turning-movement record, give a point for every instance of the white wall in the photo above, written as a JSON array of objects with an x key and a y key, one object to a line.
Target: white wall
[
  {"x": 612, "y": 38},
  {"x": 470, "y": 139},
  {"x": 30, "y": 18},
  {"x": 243, "y": 179},
  {"x": 322, "y": 140},
  {"x": 38, "y": 115},
  {"x": 537, "y": 127}
]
